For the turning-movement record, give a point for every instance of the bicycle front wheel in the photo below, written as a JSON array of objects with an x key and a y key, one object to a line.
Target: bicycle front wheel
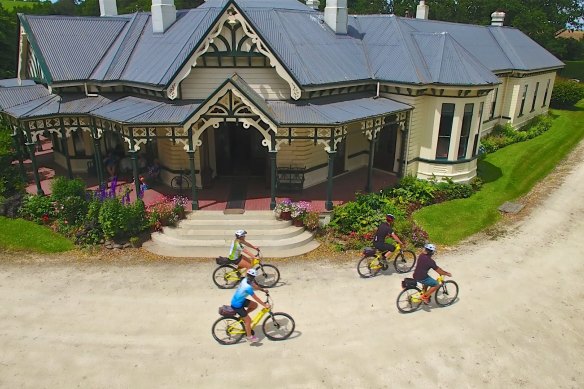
[
  {"x": 369, "y": 267},
  {"x": 228, "y": 330},
  {"x": 176, "y": 182},
  {"x": 226, "y": 276},
  {"x": 446, "y": 293},
  {"x": 278, "y": 326},
  {"x": 409, "y": 300},
  {"x": 268, "y": 276},
  {"x": 404, "y": 261}
]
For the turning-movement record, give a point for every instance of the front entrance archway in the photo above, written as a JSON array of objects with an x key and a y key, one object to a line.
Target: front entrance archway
[{"x": 239, "y": 151}]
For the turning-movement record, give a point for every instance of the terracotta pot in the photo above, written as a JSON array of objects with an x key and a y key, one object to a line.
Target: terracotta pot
[
  {"x": 297, "y": 222},
  {"x": 286, "y": 215}
]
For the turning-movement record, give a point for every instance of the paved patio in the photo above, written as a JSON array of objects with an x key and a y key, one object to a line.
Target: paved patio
[{"x": 216, "y": 196}]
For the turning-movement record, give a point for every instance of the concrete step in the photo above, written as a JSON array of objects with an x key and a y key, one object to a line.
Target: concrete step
[
  {"x": 208, "y": 234},
  {"x": 213, "y": 233},
  {"x": 219, "y": 215},
  {"x": 213, "y": 252}
]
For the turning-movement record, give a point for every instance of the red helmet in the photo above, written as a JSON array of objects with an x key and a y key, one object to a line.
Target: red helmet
[{"x": 389, "y": 217}]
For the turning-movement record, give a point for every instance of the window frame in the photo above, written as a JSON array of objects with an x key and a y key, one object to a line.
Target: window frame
[
  {"x": 446, "y": 123},
  {"x": 465, "y": 130}
]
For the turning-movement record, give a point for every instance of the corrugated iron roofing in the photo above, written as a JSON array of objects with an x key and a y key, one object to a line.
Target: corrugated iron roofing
[
  {"x": 334, "y": 109},
  {"x": 251, "y": 94},
  {"x": 10, "y": 97},
  {"x": 12, "y": 82},
  {"x": 381, "y": 47},
  {"x": 73, "y": 46}
]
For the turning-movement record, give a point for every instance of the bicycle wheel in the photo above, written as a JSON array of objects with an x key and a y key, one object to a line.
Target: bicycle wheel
[
  {"x": 228, "y": 330},
  {"x": 226, "y": 276},
  {"x": 369, "y": 267},
  {"x": 278, "y": 326},
  {"x": 268, "y": 276},
  {"x": 404, "y": 261},
  {"x": 446, "y": 293},
  {"x": 176, "y": 182},
  {"x": 409, "y": 300}
]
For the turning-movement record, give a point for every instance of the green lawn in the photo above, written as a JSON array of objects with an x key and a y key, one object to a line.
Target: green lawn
[
  {"x": 22, "y": 235},
  {"x": 508, "y": 174},
  {"x": 573, "y": 69},
  {"x": 11, "y": 4}
]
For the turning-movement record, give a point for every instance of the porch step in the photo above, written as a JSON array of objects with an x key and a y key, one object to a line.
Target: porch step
[{"x": 210, "y": 233}]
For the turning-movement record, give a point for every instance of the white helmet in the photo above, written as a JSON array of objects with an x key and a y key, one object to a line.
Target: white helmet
[
  {"x": 252, "y": 272},
  {"x": 430, "y": 248},
  {"x": 240, "y": 233}
]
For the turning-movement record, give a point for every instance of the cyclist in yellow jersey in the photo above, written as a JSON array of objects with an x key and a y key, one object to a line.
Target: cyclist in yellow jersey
[{"x": 238, "y": 253}]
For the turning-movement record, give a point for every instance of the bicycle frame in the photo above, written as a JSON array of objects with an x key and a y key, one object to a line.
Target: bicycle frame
[
  {"x": 417, "y": 297},
  {"x": 380, "y": 254},
  {"x": 236, "y": 274},
  {"x": 234, "y": 330}
]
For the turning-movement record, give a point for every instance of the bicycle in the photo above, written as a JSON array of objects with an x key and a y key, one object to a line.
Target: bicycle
[
  {"x": 228, "y": 275},
  {"x": 374, "y": 261},
  {"x": 229, "y": 329},
  {"x": 181, "y": 181},
  {"x": 410, "y": 299}
]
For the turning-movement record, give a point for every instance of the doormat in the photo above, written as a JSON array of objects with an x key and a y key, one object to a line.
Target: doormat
[{"x": 237, "y": 194}]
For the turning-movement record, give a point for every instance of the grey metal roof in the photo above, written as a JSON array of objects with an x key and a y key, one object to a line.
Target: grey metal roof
[
  {"x": 10, "y": 97},
  {"x": 73, "y": 46},
  {"x": 30, "y": 102},
  {"x": 334, "y": 109},
  {"x": 497, "y": 48},
  {"x": 12, "y": 82},
  {"x": 379, "y": 47}
]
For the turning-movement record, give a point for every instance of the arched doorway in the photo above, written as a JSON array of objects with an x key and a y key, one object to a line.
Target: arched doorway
[{"x": 239, "y": 151}]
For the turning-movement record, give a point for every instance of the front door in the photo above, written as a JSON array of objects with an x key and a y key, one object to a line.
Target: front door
[
  {"x": 384, "y": 157},
  {"x": 239, "y": 151}
]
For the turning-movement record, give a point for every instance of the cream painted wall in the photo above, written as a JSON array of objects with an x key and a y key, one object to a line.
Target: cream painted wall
[
  {"x": 174, "y": 157},
  {"x": 202, "y": 82}
]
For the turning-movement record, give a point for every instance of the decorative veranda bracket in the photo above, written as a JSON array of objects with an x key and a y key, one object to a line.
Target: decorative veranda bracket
[{"x": 329, "y": 137}]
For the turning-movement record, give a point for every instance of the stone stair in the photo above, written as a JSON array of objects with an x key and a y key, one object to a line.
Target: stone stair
[{"x": 208, "y": 234}]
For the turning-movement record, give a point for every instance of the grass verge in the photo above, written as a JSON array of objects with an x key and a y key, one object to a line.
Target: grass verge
[
  {"x": 508, "y": 174},
  {"x": 22, "y": 235}
]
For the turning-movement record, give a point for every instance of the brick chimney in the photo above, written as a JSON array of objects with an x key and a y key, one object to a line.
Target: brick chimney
[
  {"x": 422, "y": 10},
  {"x": 108, "y": 8},
  {"x": 336, "y": 15},
  {"x": 497, "y": 18},
  {"x": 163, "y": 15}
]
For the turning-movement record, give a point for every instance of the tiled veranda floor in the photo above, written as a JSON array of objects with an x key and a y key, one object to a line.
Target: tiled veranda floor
[{"x": 215, "y": 197}]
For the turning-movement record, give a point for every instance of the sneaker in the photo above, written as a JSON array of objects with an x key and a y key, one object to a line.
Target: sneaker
[{"x": 253, "y": 339}]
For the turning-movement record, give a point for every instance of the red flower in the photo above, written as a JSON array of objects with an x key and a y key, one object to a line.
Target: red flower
[{"x": 45, "y": 218}]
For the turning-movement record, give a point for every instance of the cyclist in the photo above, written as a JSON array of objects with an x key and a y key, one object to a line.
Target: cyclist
[
  {"x": 386, "y": 229},
  {"x": 237, "y": 250},
  {"x": 239, "y": 302},
  {"x": 425, "y": 263}
]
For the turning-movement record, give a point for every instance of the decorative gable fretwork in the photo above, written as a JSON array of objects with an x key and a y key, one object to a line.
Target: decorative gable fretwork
[
  {"x": 329, "y": 137},
  {"x": 231, "y": 38}
]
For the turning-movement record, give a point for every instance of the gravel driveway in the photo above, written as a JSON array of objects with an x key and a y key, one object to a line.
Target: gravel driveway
[{"x": 518, "y": 322}]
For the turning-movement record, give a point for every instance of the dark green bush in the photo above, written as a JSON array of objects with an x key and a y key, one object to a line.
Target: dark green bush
[
  {"x": 72, "y": 209},
  {"x": 111, "y": 218},
  {"x": 364, "y": 214},
  {"x": 412, "y": 190},
  {"x": 63, "y": 188},
  {"x": 10, "y": 180},
  {"x": 566, "y": 93},
  {"x": 40, "y": 209},
  {"x": 136, "y": 220},
  {"x": 504, "y": 135}
]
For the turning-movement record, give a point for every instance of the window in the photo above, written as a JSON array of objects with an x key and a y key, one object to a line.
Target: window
[
  {"x": 465, "y": 130},
  {"x": 547, "y": 89},
  {"x": 494, "y": 103},
  {"x": 523, "y": 101},
  {"x": 534, "y": 97},
  {"x": 446, "y": 119},
  {"x": 476, "y": 138}
]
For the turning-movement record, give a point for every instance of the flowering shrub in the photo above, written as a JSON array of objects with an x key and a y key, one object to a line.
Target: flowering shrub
[
  {"x": 39, "y": 209},
  {"x": 166, "y": 212},
  {"x": 311, "y": 220},
  {"x": 283, "y": 206},
  {"x": 299, "y": 209}
]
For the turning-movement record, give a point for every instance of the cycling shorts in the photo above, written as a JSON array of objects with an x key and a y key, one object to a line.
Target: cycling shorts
[
  {"x": 382, "y": 246},
  {"x": 241, "y": 311}
]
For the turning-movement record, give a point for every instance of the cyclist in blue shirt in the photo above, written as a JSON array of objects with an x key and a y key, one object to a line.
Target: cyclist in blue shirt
[{"x": 239, "y": 302}]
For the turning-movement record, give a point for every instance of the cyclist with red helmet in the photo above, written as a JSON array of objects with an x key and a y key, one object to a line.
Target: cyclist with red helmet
[{"x": 384, "y": 230}]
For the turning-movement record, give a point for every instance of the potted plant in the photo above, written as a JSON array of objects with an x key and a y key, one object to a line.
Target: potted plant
[
  {"x": 298, "y": 212},
  {"x": 284, "y": 209}
]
